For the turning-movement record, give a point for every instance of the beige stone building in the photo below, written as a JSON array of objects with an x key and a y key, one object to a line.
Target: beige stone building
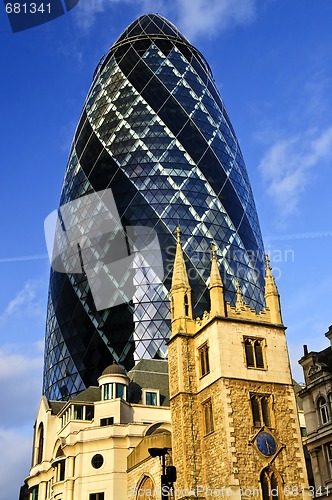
[
  {"x": 81, "y": 447},
  {"x": 317, "y": 406},
  {"x": 223, "y": 412}
]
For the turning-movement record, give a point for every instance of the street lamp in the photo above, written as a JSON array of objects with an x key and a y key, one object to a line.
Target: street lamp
[{"x": 168, "y": 476}]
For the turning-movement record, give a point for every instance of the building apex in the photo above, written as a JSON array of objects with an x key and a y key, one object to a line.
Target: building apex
[
  {"x": 216, "y": 286},
  {"x": 180, "y": 277},
  {"x": 215, "y": 278},
  {"x": 239, "y": 299},
  {"x": 270, "y": 284},
  {"x": 268, "y": 268},
  {"x": 178, "y": 234},
  {"x": 271, "y": 293}
]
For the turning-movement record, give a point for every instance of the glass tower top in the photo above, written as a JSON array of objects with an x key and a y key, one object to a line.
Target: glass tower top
[{"x": 155, "y": 131}]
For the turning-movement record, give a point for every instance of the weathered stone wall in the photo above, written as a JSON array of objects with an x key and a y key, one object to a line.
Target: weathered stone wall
[
  {"x": 285, "y": 428},
  {"x": 227, "y": 459},
  {"x": 151, "y": 467}
]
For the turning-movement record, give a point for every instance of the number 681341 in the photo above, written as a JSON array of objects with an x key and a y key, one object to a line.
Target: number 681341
[{"x": 28, "y": 8}]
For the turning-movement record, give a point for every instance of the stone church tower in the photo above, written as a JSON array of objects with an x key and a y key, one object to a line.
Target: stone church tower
[{"x": 234, "y": 416}]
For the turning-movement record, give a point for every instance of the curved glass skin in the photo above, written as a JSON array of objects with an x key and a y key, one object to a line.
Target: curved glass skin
[{"x": 154, "y": 129}]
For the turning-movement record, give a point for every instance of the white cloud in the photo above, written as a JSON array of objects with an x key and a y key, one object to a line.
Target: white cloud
[
  {"x": 20, "y": 386},
  {"x": 16, "y": 458},
  {"x": 87, "y": 10},
  {"x": 26, "y": 302},
  {"x": 20, "y": 391},
  {"x": 196, "y": 17},
  {"x": 286, "y": 168},
  {"x": 192, "y": 16}
]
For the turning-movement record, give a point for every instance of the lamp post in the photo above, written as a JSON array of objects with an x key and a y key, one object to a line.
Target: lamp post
[{"x": 168, "y": 475}]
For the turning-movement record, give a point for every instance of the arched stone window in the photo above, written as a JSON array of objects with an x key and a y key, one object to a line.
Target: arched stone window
[
  {"x": 261, "y": 408},
  {"x": 329, "y": 397},
  {"x": 186, "y": 305},
  {"x": 146, "y": 489},
  {"x": 271, "y": 484},
  {"x": 254, "y": 352},
  {"x": 59, "y": 464},
  {"x": 40, "y": 445},
  {"x": 323, "y": 410}
]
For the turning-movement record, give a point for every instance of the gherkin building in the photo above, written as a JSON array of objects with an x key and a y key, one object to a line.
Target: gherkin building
[{"x": 154, "y": 130}]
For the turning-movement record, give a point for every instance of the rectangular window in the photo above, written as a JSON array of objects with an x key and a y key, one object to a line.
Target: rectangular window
[
  {"x": 96, "y": 496},
  {"x": 151, "y": 398},
  {"x": 120, "y": 391},
  {"x": 62, "y": 470},
  {"x": 261, "y": 409},
  {"x": 303, "y": 432},
  {"x": 108, "y": 392},
  {"x": 89, "y": 412},
  {"x": 254, "y": 352},
  {"x": 34, "y": 493},
  {"x": 78, "y": 412},
  {"x": 203, "y": 352},
  {"x": 106, "y": 421},
  {"x": 208, "y": 416}
]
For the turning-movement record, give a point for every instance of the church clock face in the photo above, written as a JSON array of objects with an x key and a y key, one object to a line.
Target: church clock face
[{"x": 266, "y": 444}]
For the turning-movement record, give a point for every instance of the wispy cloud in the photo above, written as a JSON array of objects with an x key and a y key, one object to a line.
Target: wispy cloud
[
  {"x": 16, "y": 458},
  {"x": 87, "y": 10},
  {"x": 20, "y": 386},
  {"x": 196, "y": 18},
  {"x": 25, "y": 303},
  {"x": 286, "y": 168},
  {"x": 192, "y": 16},
  {"x": 20, "y": 390}
]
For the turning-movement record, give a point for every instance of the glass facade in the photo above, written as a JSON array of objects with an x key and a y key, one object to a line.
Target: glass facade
[{"x": 155, "y": 131}]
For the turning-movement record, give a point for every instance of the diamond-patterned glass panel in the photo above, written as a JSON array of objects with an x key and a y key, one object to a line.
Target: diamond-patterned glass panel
[{"x": 155, "y": 131}]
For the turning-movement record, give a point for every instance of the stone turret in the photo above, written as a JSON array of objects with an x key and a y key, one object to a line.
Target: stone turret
[
  {"x": 272, "y": 299},
  {"x": 216, "y": 288},
  {"x": 239, "y": 305},
  {"x": 180, "y": 293}
]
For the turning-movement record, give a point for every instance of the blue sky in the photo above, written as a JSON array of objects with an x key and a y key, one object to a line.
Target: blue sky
[{"x": 272, "y": 62}]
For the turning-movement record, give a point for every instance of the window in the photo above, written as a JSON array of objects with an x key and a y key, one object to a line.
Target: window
[
  {"x": 113, "y": 390},
  {"x": 106, "y": 421},
  {"x": 151, "y": 398},
  {"x": 271, "y": 484},
  {"x": 59, "y": 465},
  {"x": 120, "y": 391},
  {"x": 204, "y": 359},
  {"x": 34, "y": 493},
  {"x": 208, "y": 416},
  {"x": 40, "y": 444},
  {"x": 97, "y": 461},
  {"x": 89, "y": 412},
  {"x": 328, "y": 452},
  {"x": 96, "y": 496},
  {"x": 323, "y": 411},
  {"x": 78, "y": 412},
  {"x": 303, "y": 432},
  {"x": 60, "y": 469},
  {"x": 107, "y": 392},
  {"x": 186, "y": 305},
  {"x": 254, "y": 352},
  {"x": 261, "y": 410},
  {"x": 329, "y": 397}
]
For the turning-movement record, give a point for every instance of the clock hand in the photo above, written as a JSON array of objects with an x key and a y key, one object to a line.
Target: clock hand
[{"x": 268, "y": 446}]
